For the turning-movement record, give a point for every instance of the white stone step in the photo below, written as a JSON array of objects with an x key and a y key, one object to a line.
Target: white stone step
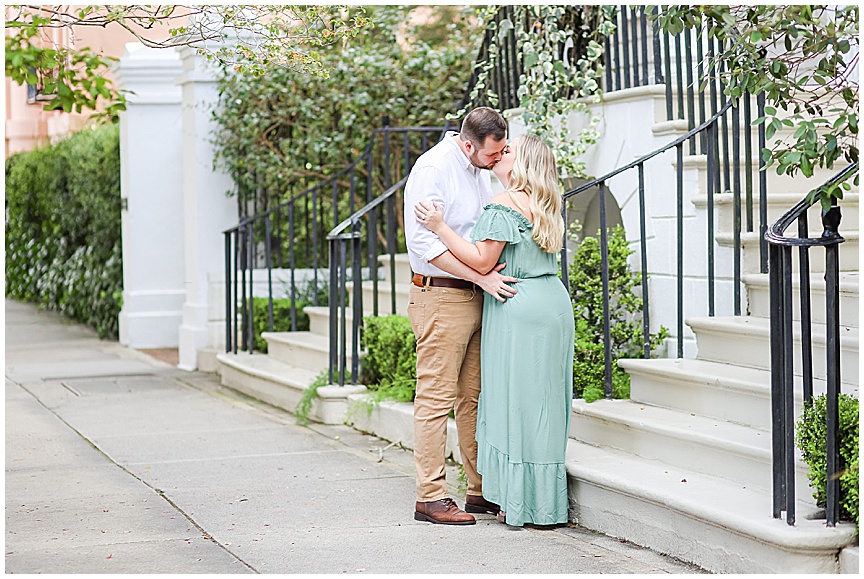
[
  {"x": 721, "y": 391},
  {"x": 750, "y": 252},
  {"x": 403, "y": 268},
  {"x": 319, "y": 319},
  {"x": 385, "y": 306},
  {"x": 301, "y": 349},
  {"x": 744, "y": 341},
  {"x": 282, "y": 385},
  {"x": 758, "y": 297},
  {"x": 706, "y": 520},
  {"x": 798, "y": 186},
  {"x": 778, "y": 204},
  {"x": 714, "y": 447}
]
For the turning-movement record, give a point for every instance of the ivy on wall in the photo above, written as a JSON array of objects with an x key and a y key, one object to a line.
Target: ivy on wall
[
  {"x": 560, "y": 49},
  {"x": 63, "y": 247}
]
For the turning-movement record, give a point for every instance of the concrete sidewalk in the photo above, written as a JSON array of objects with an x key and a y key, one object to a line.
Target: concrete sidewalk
[{"x": 117, "y": 462}]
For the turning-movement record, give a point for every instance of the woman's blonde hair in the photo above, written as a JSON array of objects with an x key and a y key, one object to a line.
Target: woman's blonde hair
[{"x": 535, "y": 173}]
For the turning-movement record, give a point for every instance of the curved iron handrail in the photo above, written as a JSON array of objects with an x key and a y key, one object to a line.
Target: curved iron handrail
[
  {"x": 336, "y": 232},
  {"x": 783, "y": 361},
  {"x": 775, "y": 234},
  {"x": 689, "y": 135}
]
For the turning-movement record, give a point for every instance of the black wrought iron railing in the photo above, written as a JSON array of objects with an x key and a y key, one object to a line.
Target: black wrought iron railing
[
  {"x": 281, "y": 253},
  {"x": 714, "y": 166},
  {"x": 350, "y": 244},
  {"x": 782, "y": 345}
]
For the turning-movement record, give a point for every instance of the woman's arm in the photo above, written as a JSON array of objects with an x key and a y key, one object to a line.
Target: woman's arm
[{"x": 481, "y": 256}]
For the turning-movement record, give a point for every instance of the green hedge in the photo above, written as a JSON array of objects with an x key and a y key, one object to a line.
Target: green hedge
[{"x": 63, "y": 245}]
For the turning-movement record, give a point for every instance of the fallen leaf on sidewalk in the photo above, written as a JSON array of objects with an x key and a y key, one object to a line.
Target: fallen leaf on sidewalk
[{"x": 109, "y": 556}]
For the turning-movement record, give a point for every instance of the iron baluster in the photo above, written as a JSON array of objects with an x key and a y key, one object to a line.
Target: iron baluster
[
  {"x": 269, "y": 267},
  {"x": 668, "y": 61},
  {"x": 635, "y": 44},
  {"x": 748, "y": 164},
  {"x": 679, "y": 73},
  {"x": 709, "y": 178},
  {"x": 763, "y": 189},
  {"x": 604, "y": 273},
  {"x": 804, "y": 294},
  {"x": 643, "y": 25},
  {"x": 315, "y": 246},
  {"x": 357, "y": 314},
  {"x": 788, "y": 400},
  {"x": 643, "y": 250},
  {"x": 778, "y": 423},
  {"x": 227, "y": 236},
  {"x": 658, "y": 67},
  {"x": 691, "y": 107},
  {"x": 334, "y": 313},
  {"x": 736, "y": 213},
  {"x": 679, "y": 221},
  {"x": 250, "y": 326}
]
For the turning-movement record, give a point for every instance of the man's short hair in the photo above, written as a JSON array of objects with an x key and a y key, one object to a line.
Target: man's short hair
[{"x": 481, "y": 123}]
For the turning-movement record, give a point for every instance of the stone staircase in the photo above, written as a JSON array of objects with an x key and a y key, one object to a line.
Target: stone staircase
[
  {"x": 295, "y": 359},
  {"x": 684, "y": 466}
]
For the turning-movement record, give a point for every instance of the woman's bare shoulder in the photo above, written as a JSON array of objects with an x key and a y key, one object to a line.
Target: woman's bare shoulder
[{"x": 503, "y": 199}]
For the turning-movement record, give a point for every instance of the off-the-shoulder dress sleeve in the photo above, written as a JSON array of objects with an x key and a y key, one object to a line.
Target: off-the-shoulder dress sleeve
[{"x": 500, "y": 223}]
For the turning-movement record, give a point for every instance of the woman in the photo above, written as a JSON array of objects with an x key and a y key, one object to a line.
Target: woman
[{"x": 526, "y": 353}]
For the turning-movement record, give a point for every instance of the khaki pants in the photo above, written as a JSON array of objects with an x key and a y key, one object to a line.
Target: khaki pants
[{"x": 446, "y": 324}]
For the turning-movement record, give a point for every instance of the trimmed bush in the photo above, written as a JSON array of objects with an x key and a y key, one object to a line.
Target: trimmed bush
[
  {"x": 812, "y": 435},
  {"x": 389, "y": 367},
  {"x": 63, "y": 243},
  {"x": 625, "y": 308}
]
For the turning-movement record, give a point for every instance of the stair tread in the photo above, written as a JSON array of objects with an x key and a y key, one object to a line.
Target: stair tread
[
  {"x": 678, "y": 424},
  {"x": 849, "y": 281},
  {"x": 754, "y": 236},
  {"x": 305, "y": 338},
  {"x": 759, "y": 325},
  {"x": 752, "y": 380},
  {"x": 268, "y": 367},
  {"x": 719, "y": 501},
  {"x": 702, "y": 371}
]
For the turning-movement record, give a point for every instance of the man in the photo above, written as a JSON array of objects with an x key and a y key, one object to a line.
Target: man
[{"x": 445, "y": 310}]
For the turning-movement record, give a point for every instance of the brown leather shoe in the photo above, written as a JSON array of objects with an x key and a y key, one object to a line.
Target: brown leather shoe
[
  {"x": 477, "y": 504},
  {"x": 443, "y": 512}
]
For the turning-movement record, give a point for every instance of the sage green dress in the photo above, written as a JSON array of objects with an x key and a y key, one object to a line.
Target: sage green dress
[{"x": 526, "y": 358}]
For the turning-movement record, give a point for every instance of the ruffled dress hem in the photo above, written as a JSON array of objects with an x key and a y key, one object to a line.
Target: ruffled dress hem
[{"x": 545, "y": 484}]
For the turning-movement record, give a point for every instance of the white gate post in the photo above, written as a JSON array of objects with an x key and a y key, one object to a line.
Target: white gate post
[
  {"x": 207, "y": 209},
  {"x": 152, "y": 202}
]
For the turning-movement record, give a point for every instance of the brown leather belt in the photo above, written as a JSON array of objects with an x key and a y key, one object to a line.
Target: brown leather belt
[{"x": 423, "y": 281}]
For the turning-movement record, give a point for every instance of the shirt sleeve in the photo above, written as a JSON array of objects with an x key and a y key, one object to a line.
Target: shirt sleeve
[{"x": 424, "y": 184}]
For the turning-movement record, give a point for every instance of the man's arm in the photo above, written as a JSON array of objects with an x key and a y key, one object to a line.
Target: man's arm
[{"x": 492, "y": 283}]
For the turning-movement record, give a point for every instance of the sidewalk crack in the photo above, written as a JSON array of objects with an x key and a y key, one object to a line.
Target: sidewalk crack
[{"x": 158, "y": 491}]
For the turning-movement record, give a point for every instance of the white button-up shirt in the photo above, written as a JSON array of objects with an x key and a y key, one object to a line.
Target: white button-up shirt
[{"x": 445, "y": 175}]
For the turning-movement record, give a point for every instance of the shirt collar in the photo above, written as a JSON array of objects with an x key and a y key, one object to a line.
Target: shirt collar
[{"x": 465, "y": 162}]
